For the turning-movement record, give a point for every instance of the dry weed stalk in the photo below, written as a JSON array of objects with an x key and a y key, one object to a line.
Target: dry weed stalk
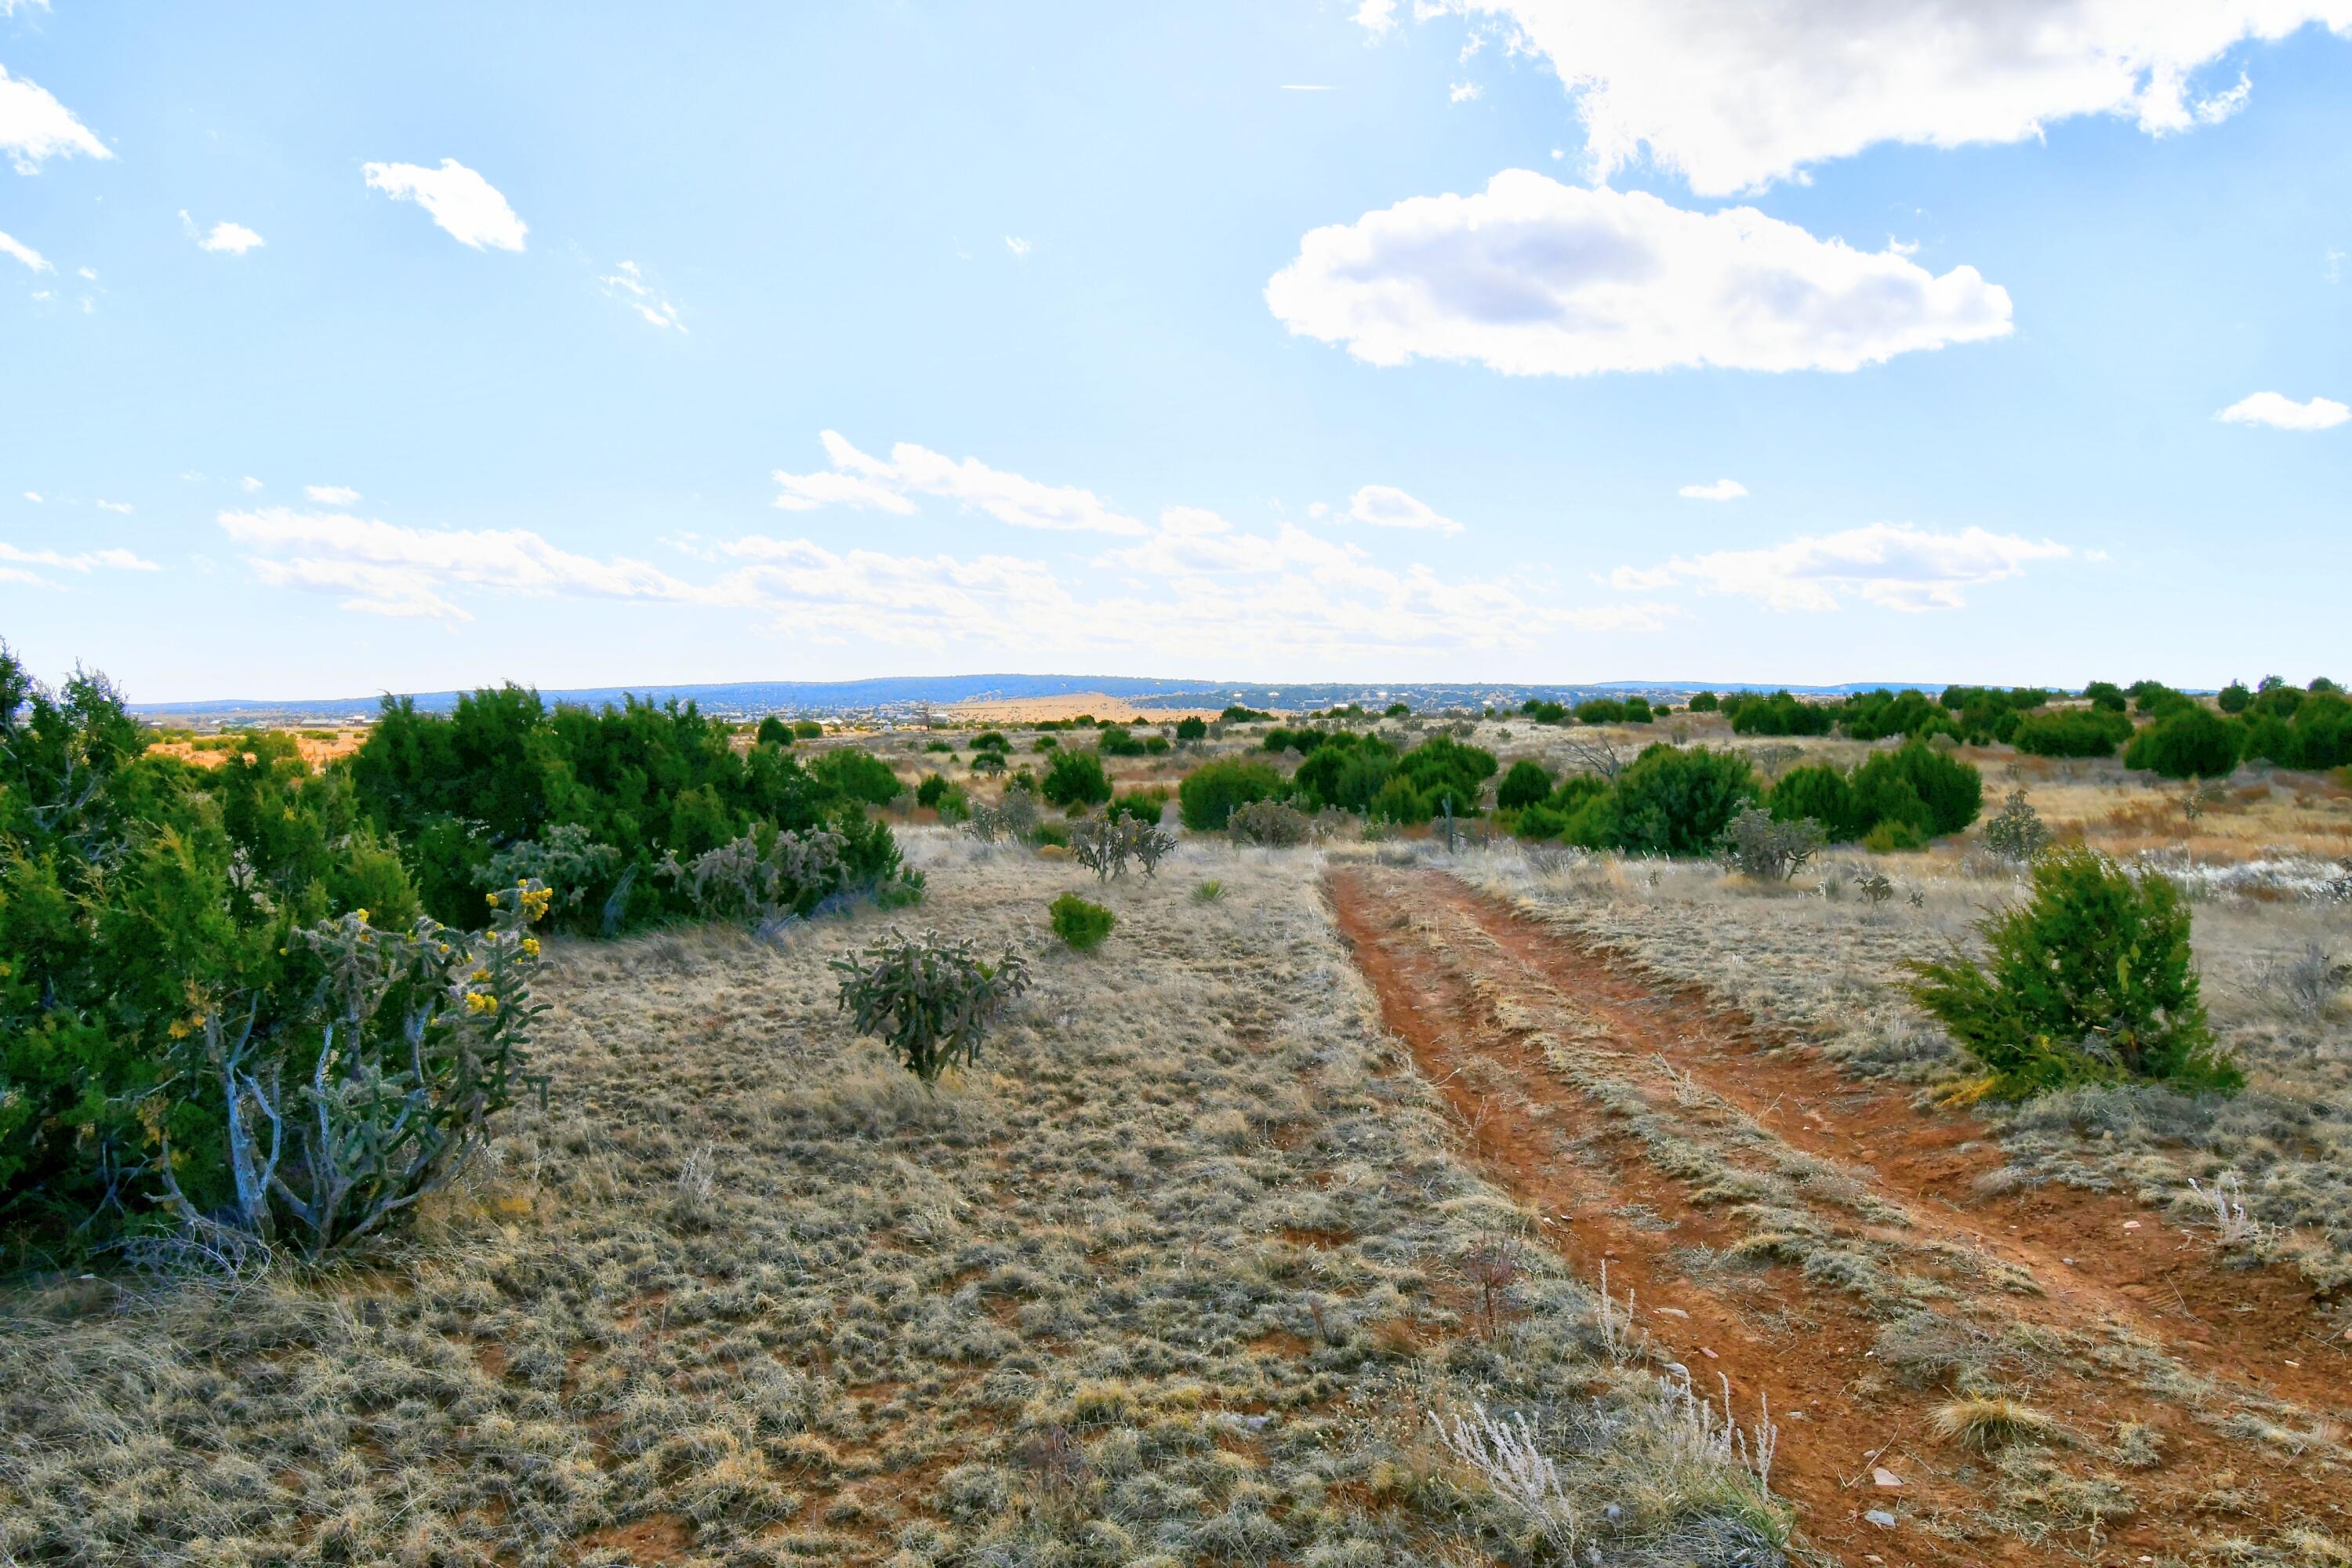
[
  {"x": 2232, "y": 1225},
  {"x": 1505, "y": 1456}
]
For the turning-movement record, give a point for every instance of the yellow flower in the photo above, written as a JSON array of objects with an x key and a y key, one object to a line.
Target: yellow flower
[
  {"x": 479, "y": 974},
  {"x": 491, "y": 898},
  {"x": 361, "y": 914},
  {"x": 480, "y": 1002},
  {"x": 531, "y": 945}
]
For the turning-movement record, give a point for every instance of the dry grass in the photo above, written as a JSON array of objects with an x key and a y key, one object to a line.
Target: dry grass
[{"x": 1175, "y": 1275}]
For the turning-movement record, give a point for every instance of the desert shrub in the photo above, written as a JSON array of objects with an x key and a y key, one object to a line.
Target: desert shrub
[
  {"x": 501, "y": 768},
  {"x": 1543, "y": 710},
  {"x": 931, "y": 1001},
  {"x": 169, "y": 981},
  {"x": 988, "y": 763},
  {"x": 1045, "y": 743},
  {"x": 759, "y": 876},
  {"x": 1874, "y": 715},
  {"x": 807, "y": 729},
  {"x": 1191, "y": 727},
  {"x": 1599, "y": 711},
  {"x": 1637, "y": 711},
  {"x": 1822, "y": 793},
  {"x": 857, "y": 774},
  {"x": 1783, "y": 714},
  {"x": 1081, "y": 924},
  {"x": 2105, "y": 695},
  {"x": 930, "y": 791},
  {"x": 1075, "y": 779},
  {"x": 2186, "y": 743},
  {"x": 1919, "y": 786},
  {"x": 578, "y": 871},
  {"x": 2091, "y": 980},
  {"x": 1146, "y": 806},
  {"x": 1113, "y": 741},
  {"x": 1895, "y": 835},
  {"x": 1398, "y": 803},
  {"x": 1268, "y": 822},
  {"x": 990, "y": 741},
  {"x": 2154, "y": 699},
  {"x": 1528, "y": 782},
  {"x": 2235, "y": 698},
  {"x": 2073, "y": 732},
  {"x": 1236, "y": 713},
  {"x": 1442, "y": 768},
  {"x": 1671, "y": 801},
  {"x": 773, "y": 731},
  {"x": 1705, "y": 702},
  {"x": 2016, "y": 833},
  {"x": 2312, "y": 731},
  {"x": 1397, "y": 711},
  {"x": 1208, "y": 795},
  {"x": 1760, "y": 845},
  {"x": 1344, "y": 777}
]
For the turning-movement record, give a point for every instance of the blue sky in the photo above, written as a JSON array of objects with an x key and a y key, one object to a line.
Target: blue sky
[{"x": 350, "y": 348}]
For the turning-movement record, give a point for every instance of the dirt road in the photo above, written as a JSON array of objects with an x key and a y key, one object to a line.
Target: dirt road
[{"x": 1863, "y": 1265}]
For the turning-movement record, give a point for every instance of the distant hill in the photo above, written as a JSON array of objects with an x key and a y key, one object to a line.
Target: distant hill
[{"x": 891, "y": 697}]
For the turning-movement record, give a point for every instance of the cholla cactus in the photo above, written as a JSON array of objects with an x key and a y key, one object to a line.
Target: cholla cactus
[
  {"x": 385, "y": 1090},
  {"x": 1758, "y": 844},
  {"x": 2017, "y": 833},
  {"x": 739, "y": 881},
  {"x": 930, "y": 1000}
]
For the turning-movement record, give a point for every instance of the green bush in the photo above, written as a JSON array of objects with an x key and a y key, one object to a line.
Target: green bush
[
  {"x": 1398, "y": 801},
  {"x": 1637, "y": 711},
  {"x": 1236, "y": 713},
  {"x": 990, "y": 741},
  {"x": 2186, "y": 743},
  {"x": 1600, "y": 711},
  {"x": 1543, "y": 710},
  {"x": 1920, "y": 787},
  {"x": 859, "y": 774},
  {"x": 808, "y": 729},
  {"x": 1822, "y": 794},
  {"x": 1081, "y": 924},
  {"x": 930, "y": 1000},
  {"x": 2073, "y": 732},
  {"x": 2235, "y": 698},
  {"x": 2316, "y": 735},
  {"x": 1671, "y": 801},
  {"x": 1397, "y": 711},
  {"x": 1344, "y": 773},
  {"x": 773, "y": 731},
  {"x": 1781, "y": 714},
  {"x": 2092, "y": 981},
  {"x": 1442, "y": 768},
  {"x": 1114, "y": 741},
  {"x": 1209, "y": 793},
  {"x": 2017, "y": 833},
  {"x": 1764, "y": 848},
  {"x": 1146, "y": 806},
  {"x": 1527, "y": 782},
  {"x": 1191, "y": 727},
  {"x": 930, "y": 791},
  {"x": 1075, "y": 779},
  {"x": 2105, "y": 695},
  {"x": 1045, "y": 743},
  {"x": 1705, "y": 702}
]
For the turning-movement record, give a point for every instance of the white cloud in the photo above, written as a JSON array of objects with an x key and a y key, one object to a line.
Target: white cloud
[
  {"x": 248, "y": 484},
  {"x": 1462, "y": 92},
  {"x": 2283, "y": 413},
  {"x": 121, "y": 506},
  {"x": 332, "y": 495},
  {"x": 1722, "y": 489},
  {"x": 1385, "y": 505},
  {"x": 35, "y": 127},
  {"x": 25, "y": 253},
  {"x": 859, "y": 480},
  {"x": 232, "y": 237},
  {"x": 33, "y": 496},
  {"x": 1377, "y": 17},
  {"x": 1733, "y": 94},
  {"x": 1531, "y": 276},
  {"x": 634, "y": 288},
  {"x": 1898, "y": 567},
  {"x": 85, "y": 562},
  {"x": 381, "y": 569},
  {"x": 1017, "y": 245},
  {"x": 459, "y": 200}
]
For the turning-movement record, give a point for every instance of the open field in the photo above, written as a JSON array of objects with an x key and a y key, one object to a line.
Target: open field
[{"x": 1263, "y": 1233}]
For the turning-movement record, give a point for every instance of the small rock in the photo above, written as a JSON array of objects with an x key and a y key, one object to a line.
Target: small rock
[
  {"x": 1884, "y": 1478},
  {"x": 2131, "y": 1224},
  {"x": 1708, "y": 1353},
  {"x": 1671, "y": 1311},
  {"x": 1256, "y": 1423},
  {"x": 1881, "y": 1518}
]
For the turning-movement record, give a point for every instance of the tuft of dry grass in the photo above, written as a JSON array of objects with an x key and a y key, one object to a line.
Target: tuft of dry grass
[{"x": 1985, "y": 1422}]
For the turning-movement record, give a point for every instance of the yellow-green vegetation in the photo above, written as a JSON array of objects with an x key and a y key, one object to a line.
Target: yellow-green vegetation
[{"x": 1181, "y": 1271}]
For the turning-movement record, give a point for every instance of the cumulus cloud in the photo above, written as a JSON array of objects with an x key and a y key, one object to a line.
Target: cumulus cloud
[
  {"x": 121, "y": 506},
  {"x": 1733, "y": 95},
  {"x": 232, "y": 237},
  {"x": 1531, "y": 277},
  {"x": 860, "y": 480},
  {"x": 463, "y": 203},
  {"x": 381, "y": 569},
  {"x": 2283, "y": 413},
  {"x": 25, "y": 253},
  {"x": 35, "y": 127},
  {"x": 1898, "y": 567},
  {"x": 1377, "y": 17},
  {"x": 332, "y": 495},
  {"x": 634, "y": 288},
  {"x": 1722, "y": 489},
  {"x": 248, "y": 484},
  {"x": 1017, "y": 245},
  {"x": 1385, "y": 505}
]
